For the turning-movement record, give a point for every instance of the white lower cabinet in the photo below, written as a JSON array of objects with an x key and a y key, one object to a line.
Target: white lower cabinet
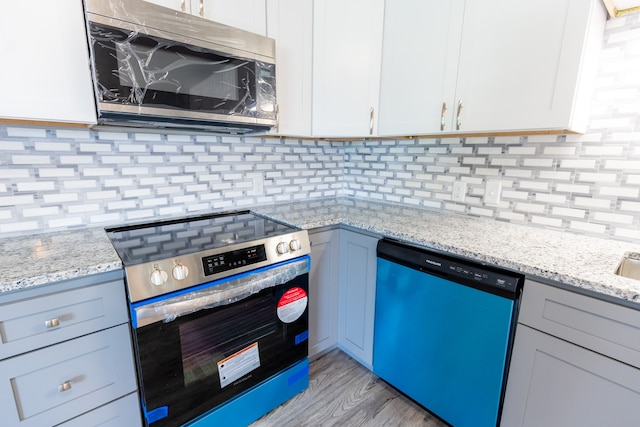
[
  {"x": 124, "y": 412},
  {"x": 575, "y": 362},
  {"x": 65, "y": 351},
  {"x": 323, "y": 292},
  {"x": 356, "y": 300}
]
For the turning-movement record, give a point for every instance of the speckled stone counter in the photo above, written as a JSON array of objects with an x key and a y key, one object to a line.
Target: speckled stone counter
[
  {"x": 550, "y": 256},
  {"x": 562, "y": 258},
  {"x": 52, "y": 257}
]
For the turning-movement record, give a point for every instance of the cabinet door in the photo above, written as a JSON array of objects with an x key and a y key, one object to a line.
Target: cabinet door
[
  {"x": 347, "y": 41},
  {"x": 248, "y": 15},
  {"x": 555, "y": 383},
  {"x": 290, "y": 23},
  {"x": 124, "y": 412},
  {"x": 357, "y": 294},
  {"x": 523, "y": 64},
  {"x": 419, "y": 65},
  {"x": 180, "y": 5},
  {"x": 45, "y": 71},
  {"x": 323, "y": 292}
]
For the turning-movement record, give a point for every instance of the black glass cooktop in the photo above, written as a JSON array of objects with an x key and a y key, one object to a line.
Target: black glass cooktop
[{"x": 140, "y": 243}]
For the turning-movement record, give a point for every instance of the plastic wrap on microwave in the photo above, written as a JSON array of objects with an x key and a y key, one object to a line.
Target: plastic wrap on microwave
[{"x": 223, "y": 294}]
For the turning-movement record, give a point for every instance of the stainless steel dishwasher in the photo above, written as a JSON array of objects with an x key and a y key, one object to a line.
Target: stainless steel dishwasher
[{"x": 444, "y": 329}]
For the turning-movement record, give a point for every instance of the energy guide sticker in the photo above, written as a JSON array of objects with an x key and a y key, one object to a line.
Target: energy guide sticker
[
  {"x": 292, "y": 304},
  {"x": 238, "y": 364}
]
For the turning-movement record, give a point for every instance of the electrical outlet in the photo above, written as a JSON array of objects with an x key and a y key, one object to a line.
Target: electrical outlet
[
  {"x": 459, "y": 191},
  {"x": 492, "y": 191},
  {"x": 258, "y": 186}
]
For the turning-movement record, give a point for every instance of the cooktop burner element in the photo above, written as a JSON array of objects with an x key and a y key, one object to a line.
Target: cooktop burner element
[{"x": 166, "y": 256}]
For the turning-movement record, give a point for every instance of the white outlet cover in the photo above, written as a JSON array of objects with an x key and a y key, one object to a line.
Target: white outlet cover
[
  {"x": 492, "y": 191},
  {"x": 459, "y": 191}
]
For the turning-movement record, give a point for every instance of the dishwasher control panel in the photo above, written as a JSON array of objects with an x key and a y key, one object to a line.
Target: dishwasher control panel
[{"x": 467, "y": 272}]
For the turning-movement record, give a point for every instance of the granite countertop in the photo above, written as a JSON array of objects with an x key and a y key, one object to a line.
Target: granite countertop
[
  {"x": 578, "y": 261},
  {"x": 582, "y": 262},
  {"x": 51, "y": 257}
]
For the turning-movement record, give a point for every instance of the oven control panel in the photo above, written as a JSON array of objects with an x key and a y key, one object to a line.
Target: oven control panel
[{"x": 233, "y": 259}]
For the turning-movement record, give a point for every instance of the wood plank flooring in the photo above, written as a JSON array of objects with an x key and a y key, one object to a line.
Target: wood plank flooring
[{"x": 343, "y": 393}]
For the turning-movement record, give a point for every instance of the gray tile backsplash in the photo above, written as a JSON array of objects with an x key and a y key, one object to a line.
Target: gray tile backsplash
[{"x": 60, "y": 178}]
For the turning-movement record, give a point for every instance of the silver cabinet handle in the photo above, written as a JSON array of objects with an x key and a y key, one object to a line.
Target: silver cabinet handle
[
  {"x": 64, "y": 386},
  {"x": 371, "y": 115},
  {"x": 442, "y": 117},
  {"x": 52, "y": 323},
  {"x": 277, "y": 118},
  {"x": 202, "y": 8},
  {"x": 458, "y": 119},
  {"x": 183, "y": 5}
]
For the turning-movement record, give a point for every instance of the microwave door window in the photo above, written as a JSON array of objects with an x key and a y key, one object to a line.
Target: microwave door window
[{"x": 137, "y": 69}]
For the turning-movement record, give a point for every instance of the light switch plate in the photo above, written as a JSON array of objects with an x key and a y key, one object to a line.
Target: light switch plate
[{"x": 492, "y": 191}]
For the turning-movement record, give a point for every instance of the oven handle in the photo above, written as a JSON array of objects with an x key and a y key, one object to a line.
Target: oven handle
[{"x": 230, "y": 291}]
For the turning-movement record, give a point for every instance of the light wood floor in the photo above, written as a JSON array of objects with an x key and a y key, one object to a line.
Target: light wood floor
[{"x": 343, "y": 393}]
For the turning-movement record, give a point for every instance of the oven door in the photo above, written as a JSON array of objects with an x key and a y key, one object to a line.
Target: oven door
[
  {"x": 197, "y": 350},
  {"x": 137, "y": 73}
]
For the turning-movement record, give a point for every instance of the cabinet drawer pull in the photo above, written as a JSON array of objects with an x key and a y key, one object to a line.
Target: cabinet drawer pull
[
  {"x": 64, "y": 386},
  {"x": 458, "y": 119},
  {"x": 52, "y": 323},
  {"x": 202, "y": 8},
  {"x": 183, "y": 5},
  {"x": 277, "y": 118},
  {"x": 442, "y": 117},
  {"x": 371, "y": 115}
]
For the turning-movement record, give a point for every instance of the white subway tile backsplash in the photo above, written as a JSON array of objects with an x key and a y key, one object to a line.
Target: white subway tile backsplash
[
  {"x": 619, "y": 192},
  {"x": 580, "y": 183},
  {"x": 588, "y": 227},
  {"x": 51, "y": 146},
  {"x": 30, "y": 160}
]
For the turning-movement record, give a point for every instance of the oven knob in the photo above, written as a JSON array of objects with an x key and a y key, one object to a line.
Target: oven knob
[
  {"x": 282, "y": 248},
  {"x": 180, "y": 272},
  {"x": 158, "y": 277},
  {"x": 295, "y": 245}
]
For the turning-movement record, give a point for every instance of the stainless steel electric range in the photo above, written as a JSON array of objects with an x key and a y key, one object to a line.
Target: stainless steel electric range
[{"x": 219, "y": 311}]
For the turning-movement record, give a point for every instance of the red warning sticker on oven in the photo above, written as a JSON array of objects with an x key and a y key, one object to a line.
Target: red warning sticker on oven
[{"x": 292, "y": 304}]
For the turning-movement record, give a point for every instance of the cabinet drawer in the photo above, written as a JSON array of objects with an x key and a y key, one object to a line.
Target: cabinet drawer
[
  {"x": 33, "y": 323},
  {"x": 124, "y": 412},
  {"x": 601, "y": 326},
  {"x": 95, "y": 369}
]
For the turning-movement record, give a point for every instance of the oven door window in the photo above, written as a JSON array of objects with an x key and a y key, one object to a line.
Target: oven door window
[
  {"x": 136, "y": 69},
  {"x": 198, "y": 361}
]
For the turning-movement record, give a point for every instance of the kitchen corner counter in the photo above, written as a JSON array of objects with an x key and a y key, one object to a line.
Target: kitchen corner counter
[
  {"x": 42, "y": 259},
  {"x": 563, "y": 259}
]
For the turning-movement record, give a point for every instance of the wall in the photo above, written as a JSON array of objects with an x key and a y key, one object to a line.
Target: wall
[
  {"x": 588, "y": 184},
  {"x": 55, "y": 178}
]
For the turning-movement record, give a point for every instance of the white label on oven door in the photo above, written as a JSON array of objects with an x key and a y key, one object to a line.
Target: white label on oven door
[
  {"x": 238, "y": 364},
  {"x": 292, "y": 304}
]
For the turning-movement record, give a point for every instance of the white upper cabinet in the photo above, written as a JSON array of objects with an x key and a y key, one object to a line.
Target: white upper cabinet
[
  {"x": 290, "y": 23},
  {"x": 528, "y": 65},
  {"x": 249, "y": 15},
  {"x": 180, "y": 5},
  {"x": 419, "y": 65},
  {"x": 490, "y": 66},
  {"x": 45, "y": 63},
  {"x": 347, "y": 47}
]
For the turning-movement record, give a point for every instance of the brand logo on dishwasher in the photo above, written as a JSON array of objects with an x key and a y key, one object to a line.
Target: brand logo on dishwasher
[{"x": 436, "y": 263}]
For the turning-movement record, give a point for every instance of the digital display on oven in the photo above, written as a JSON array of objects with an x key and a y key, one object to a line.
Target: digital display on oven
[{"x": 233, "y": 259}]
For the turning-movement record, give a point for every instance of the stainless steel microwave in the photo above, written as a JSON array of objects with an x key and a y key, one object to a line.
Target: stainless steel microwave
[{"x": 157, "y": 67}]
